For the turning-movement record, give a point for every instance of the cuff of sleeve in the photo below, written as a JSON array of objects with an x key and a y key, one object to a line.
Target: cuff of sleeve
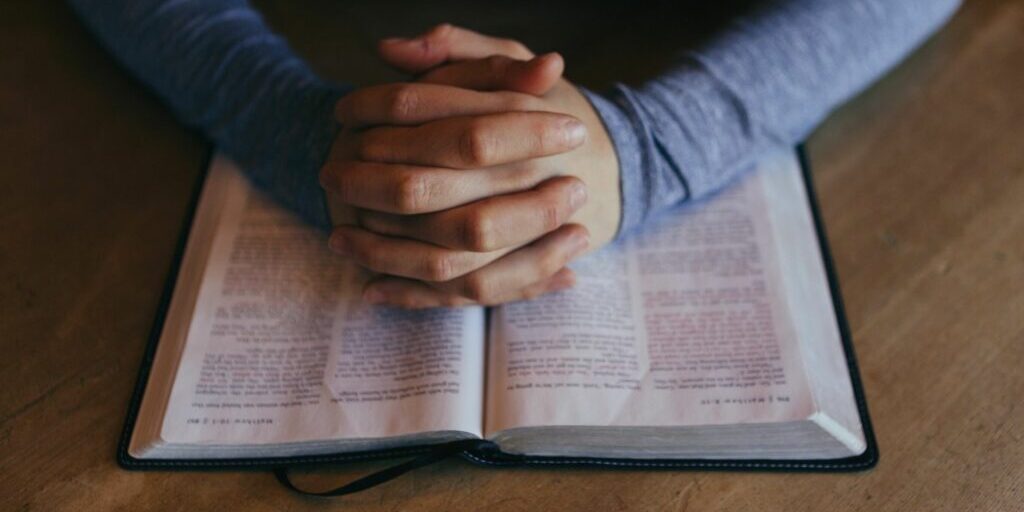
[
  {"x": 283, "y": 143},
  {"x": 623, "y": 129},
  {"x": 305, "y": 150}
]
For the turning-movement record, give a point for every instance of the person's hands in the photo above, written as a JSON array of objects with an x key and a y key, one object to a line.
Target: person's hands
[
  {"x": 453, "y": 196},
  {"x": 454, "y": 56},
  {"x": 452, "y": 192}
]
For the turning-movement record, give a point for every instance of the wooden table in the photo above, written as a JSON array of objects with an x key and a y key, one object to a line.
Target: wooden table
[{"x": 921, "y": 180}]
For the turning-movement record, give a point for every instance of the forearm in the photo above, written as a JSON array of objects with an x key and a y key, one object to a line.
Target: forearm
[
  {"x": 763, "y": 82},
  {"x": 223, "y": 71}
]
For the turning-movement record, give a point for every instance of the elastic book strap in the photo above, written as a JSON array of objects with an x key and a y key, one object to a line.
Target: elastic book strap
[{"x": 437, "y": 453}]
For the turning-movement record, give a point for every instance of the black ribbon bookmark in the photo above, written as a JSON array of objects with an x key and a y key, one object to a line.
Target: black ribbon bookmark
[{"x": 440, "y": 452}]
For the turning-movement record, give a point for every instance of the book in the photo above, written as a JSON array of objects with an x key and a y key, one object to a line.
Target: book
[{"x": 713, "y": 339}]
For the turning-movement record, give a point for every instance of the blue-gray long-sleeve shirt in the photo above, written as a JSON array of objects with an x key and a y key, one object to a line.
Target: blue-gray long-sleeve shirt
[{"x": 764, "y": 81}]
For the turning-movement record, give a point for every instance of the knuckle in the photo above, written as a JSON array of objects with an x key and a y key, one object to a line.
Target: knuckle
[
  {"x": 477, "y": 232},
  {"x": 475, "y": 147},
  {"x": 440, "y": 268},
  {"x": 411, "y": 192},
  {"x": 402, "y": 103}
]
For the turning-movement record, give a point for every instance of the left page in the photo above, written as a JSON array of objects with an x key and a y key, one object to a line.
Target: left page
[{"x": 281, "y": 349}]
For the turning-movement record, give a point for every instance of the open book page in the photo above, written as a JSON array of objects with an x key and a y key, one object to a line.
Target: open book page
[
  {"x": 688, "y": 323},
  {"x": 810, "y": 300},
  {"x": 280, "y": 348}
]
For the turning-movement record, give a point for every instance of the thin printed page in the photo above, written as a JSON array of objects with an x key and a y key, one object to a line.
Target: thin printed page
[
  {"x": 281, "y": 349},
  {"x": 685, "y": 324}
]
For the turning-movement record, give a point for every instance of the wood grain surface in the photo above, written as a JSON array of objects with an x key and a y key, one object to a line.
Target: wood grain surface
[{"x": 921, "y": 181}]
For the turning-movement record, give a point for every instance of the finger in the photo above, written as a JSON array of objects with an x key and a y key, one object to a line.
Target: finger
[
  {"x": 489, "y": 224},
  {"x": 411, "y": 294},
  {"x": 405, "y": 258},
  {"x": 409, "y": 189},
  {"x": 497, "y": 73},
  {"x": 413, "y": 104},
  {"x": 504, "y": 279},
  {"x": 445, "y": 43},
  {"x": 473, "y": 142}
]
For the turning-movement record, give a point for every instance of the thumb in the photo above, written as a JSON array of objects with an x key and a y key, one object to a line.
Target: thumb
[
  {"x": 446, "y": 43},
  {"x": 535, "y": 76}
]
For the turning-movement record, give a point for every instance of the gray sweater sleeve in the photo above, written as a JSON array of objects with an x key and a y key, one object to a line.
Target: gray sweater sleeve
[
  {"x": 763, "y": 82},
  {"x": 223, "y": 71}
]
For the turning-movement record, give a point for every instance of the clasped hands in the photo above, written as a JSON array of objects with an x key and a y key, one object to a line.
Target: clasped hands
[{"x": 477, "y": 183}]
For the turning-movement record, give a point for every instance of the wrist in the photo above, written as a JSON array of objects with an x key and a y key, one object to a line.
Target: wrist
[{"x": 627, "y": 147}]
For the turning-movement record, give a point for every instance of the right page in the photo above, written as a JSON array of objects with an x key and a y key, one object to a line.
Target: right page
[{"x": 718, "y": 313}]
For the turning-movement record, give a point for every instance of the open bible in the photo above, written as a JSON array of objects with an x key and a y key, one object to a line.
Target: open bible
[{"x": 714, "y": 338}]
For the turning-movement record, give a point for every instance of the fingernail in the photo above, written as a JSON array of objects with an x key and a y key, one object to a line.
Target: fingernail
[
  {"x": 561, "y": 281},
  {"x": 393, "y": 40},
  {"x": 580, "y": 242},
  {"x": 578, "y": 195},
  {"x": 373, "y": 295},
  {"x": 338, "y": 244},
  {"x": 575, "y": 132},
  {"x": 547, "y": 57},
  {"x": 541, "y": 58}
]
